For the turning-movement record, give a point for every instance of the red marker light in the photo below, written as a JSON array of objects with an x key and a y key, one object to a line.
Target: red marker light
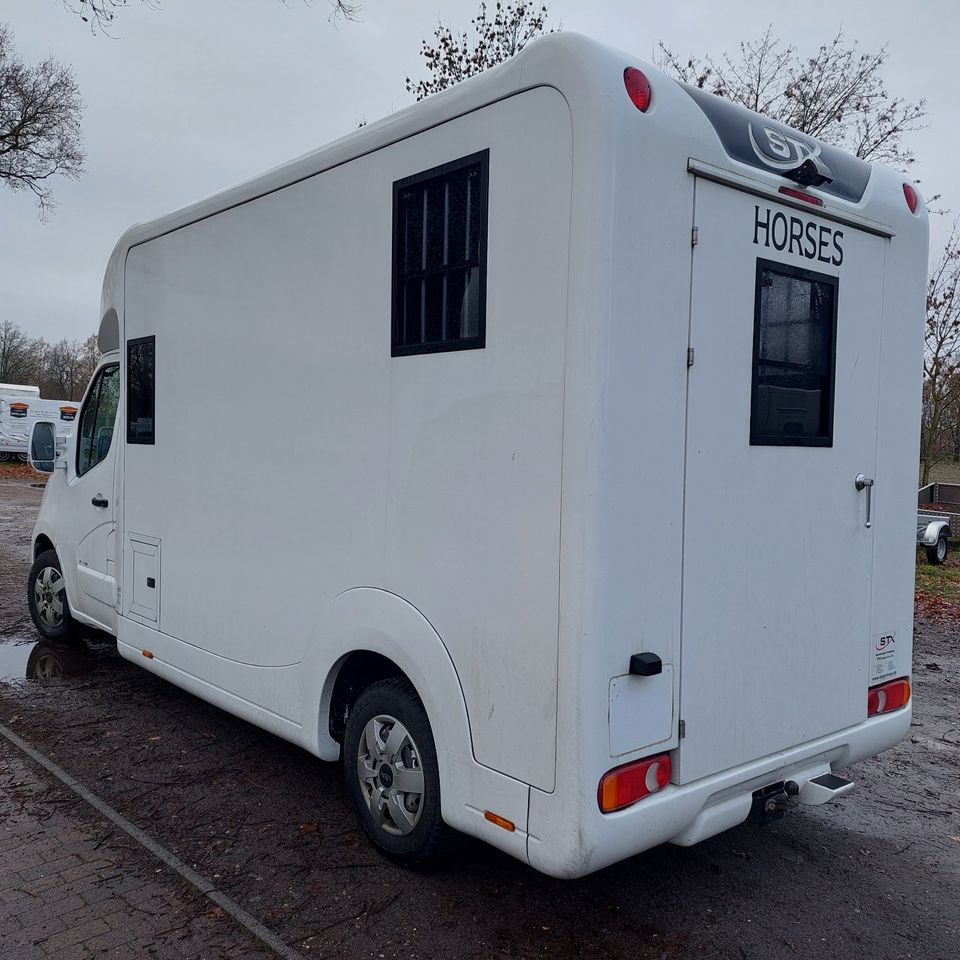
[
  {"x": 638, "y": 88},
  {"x": 800, "y": 195},
  {"x": 911, "y": 197}
]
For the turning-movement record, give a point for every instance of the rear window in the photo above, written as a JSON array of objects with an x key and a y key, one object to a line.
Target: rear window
[{"x": 795, "y": 327}]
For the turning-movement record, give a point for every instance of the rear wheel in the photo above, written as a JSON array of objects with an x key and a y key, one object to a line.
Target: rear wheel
[
  {"x": 47, "y": 599},
  {"x": 390, "y": 764},
  {"x": 938, "y": 552}
]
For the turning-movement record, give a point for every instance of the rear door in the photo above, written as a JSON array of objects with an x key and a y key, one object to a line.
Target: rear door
[{"x": 782, "y": 418}]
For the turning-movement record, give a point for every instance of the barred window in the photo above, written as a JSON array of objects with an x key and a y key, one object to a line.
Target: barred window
[{"x": 439, "y": 258}]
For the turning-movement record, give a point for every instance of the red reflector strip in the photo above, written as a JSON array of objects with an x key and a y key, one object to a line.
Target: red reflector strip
[
  {"x": 888, "y": 696},
  {"x": 632, "y": 782},
  {"x": 800, "y": 195}
]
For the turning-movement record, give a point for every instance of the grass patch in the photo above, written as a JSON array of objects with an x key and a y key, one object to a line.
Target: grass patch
[
  {"x": 945, "y": 472},
  {"x": 940, "y": 581},
  {"x": 938, "y": 588}
]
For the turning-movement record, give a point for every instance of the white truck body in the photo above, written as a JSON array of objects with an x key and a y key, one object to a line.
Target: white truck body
[
  {"x": 18, "y": 390},
  {"x": 18, "y": 413},
  {"x": 502, "y": 523}
]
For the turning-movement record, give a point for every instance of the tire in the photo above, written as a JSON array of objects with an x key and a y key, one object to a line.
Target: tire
[
  {"x": 405, "y": 826},
  {"x": 47, "y": 599},
  {"x": 938, "y": 552},
  {"x": 4, "y": 456}
]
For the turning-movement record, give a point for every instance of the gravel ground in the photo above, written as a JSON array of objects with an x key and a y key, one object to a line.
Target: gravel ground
[{"x": 875, "y": 874}]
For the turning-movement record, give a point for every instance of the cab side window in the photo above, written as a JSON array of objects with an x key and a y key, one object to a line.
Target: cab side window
[{"x": 97, "y": 419}]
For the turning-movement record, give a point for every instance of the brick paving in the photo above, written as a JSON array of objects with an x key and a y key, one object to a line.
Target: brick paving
[{"x": 73, "y": 887}]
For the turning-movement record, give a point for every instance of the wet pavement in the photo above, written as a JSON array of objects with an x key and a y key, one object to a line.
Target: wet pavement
[{"x": 875, "y": 874}]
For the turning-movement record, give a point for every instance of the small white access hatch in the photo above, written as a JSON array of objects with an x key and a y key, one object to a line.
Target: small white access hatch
[{"x": 145, "y": 596}]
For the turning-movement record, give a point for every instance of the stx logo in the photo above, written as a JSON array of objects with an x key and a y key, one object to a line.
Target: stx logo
[
  {"x": 782, "y": 151},
  {"x": 885, "y": 643}
]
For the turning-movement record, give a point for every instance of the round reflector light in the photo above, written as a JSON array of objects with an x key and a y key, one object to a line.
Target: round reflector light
[
  {"x": 911, "y": 197},
  {"x": 638, "y": 88}
]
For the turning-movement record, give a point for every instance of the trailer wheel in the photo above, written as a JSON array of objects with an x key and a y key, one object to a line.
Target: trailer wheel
[
  {"x": 4, "y": 456},
  {"x": 938, "y": 552},
  {"x": 390, "y": 764},
  {"x": 47, "y": 599}
]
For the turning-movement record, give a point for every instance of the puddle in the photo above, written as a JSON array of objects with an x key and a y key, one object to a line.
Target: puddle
[
  {"x": 42, "y": 660},
  {"x": 13, "y": 659}
]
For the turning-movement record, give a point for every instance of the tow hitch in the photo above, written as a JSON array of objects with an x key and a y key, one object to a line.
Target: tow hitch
[{"x": 772, "y": 802}]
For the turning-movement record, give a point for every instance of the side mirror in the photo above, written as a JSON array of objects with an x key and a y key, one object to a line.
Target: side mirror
[{"x": 43, "y": 446}]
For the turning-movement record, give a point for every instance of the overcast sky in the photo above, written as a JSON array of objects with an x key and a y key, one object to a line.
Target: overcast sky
[{"x": 192, "y": 97}]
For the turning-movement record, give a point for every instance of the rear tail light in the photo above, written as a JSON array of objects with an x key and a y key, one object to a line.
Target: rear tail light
[
  {"x": 888, "y": 696},
  {"x": 638, "y": 88},
  {"x": 910, "y": 195},
  {"x": 632, "y": 782}
]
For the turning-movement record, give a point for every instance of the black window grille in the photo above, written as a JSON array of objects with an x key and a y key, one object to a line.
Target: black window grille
[
  {"x": 440, "y": 258},
  {"x": 794, "y": 357}
]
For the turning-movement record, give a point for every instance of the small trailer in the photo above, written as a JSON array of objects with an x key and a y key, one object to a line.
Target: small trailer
[
  {"x": 20, "y": 409},
  {"x": 506, "y": 324},
  {"x": 937, "y": 516}
]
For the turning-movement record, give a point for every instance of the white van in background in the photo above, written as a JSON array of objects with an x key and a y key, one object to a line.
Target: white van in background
[
  {"x": 20, "y": 409},
  {"x": 547, "y": 345}
]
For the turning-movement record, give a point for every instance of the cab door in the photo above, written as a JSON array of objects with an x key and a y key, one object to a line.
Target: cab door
[
  {"x": 88, "y": 527},
  {"x": 781, "y": 422}
]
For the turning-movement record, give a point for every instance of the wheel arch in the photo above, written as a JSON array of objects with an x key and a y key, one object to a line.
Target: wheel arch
[
  {"x": 367, "y": 628},
  {"x": 42, "y": 543},
  {"x": 367, "y": 634}
]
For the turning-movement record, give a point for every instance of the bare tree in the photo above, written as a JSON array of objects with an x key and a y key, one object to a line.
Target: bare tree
[
  {"x": 16, "y": 356},
  {"x": 67, "y": 368},
  {"x": 941, "y": 361},
  {"x": 100, "y": 14},
  {"x": 453, "y": 57},
  {"x": 40, "y": 110},
  {"x": 836, "y": 95}
]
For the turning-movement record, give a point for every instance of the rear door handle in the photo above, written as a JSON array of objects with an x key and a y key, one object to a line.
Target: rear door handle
[
  {"x": 98, "y": 501},
  {"x": 863, "y": 482}
]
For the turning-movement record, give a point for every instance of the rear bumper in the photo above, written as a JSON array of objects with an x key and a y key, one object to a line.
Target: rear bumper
[{"x": 688, "y": 814}]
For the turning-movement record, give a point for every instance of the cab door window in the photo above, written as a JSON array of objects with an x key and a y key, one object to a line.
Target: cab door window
[{"x": 97, "y": 419}]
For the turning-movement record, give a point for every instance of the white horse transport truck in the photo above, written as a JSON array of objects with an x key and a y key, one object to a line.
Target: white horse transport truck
[{"x": 587, "y": 519}]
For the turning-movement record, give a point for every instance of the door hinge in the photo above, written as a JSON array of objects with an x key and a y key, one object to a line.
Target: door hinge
[
  {"x": 694, "y": 236},
  {"x": 689, "y": 356},
  {"x": 683, "y": 729}
]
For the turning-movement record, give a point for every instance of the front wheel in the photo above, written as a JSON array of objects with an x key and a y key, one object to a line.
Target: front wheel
[
  {"x": 47, "y": 599},
  {"x": 938, "y": 552},
  {"x": 390, "y": 764}
]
